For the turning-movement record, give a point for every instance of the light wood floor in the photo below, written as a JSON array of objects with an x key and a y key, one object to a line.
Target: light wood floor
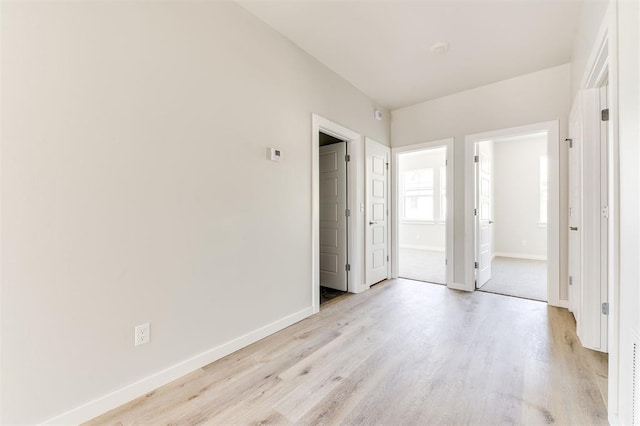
[{"x": 404, "y": 352}]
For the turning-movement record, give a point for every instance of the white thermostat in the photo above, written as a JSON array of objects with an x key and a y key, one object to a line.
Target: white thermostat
[{"x": 275, "y": 154}]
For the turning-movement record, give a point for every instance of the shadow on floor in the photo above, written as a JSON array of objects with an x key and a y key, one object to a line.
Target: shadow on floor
[{"x": 327, "y": 294}]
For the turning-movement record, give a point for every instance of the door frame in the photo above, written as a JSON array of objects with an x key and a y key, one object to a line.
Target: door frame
[
  {"x": 601, "y": 65},
  {"x": 395, "y": 206},
  {"x": 552, "y": 128},
  {"x": 355, "y": 149}
]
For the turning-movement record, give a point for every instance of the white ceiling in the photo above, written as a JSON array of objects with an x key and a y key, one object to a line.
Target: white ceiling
[{"x": 383, "y": 47}]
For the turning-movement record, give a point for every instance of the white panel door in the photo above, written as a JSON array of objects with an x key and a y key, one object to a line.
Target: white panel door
[
  {"x": 483, "y": 217},
  {"x": 377, "y": 218},
  {"x": 575, "y": 217},
  {"x": 333, "y": 220}
]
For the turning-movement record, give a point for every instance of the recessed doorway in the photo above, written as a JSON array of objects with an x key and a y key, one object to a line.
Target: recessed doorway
[
  {"x": 333, "y": 243},
  {"x": 422, "y": 214},
  {"x": 520, "y": 255},
  {"x": 511, "y": 215},
  {"x": 423, "y": 230}
]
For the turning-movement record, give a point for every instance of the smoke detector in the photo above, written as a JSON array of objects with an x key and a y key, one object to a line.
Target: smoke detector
[{"x": 440, "y": 48}]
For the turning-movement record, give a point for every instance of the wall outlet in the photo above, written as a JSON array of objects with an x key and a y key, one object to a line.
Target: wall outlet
[{"x": 142, "y": 334}]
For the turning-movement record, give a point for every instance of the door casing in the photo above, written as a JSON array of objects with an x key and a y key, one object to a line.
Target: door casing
[
  {"x": 554, "y": 262},
  {"x": 355, "y": 197}
]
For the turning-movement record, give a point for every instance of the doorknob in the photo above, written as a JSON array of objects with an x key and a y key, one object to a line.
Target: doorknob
[
  {"x": 490, "y": 222},
  {"x": 373, "y": 223},
  {"x": 573, "y": 228}
]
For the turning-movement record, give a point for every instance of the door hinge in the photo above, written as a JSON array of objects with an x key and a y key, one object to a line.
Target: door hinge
[
  {"x": 570, "y": 141},
  {"x": 347, "y": 267},
  {"x": 475, "y": 212},
  {"x": 476, "y": 158},
  {"x": 605, "y": 308},
  {"x": 347, "y": 158},
  {"x": 605, "y": 212},
  {"x": 446, "y": 261},
  {"x": 347, "y": 212},
  {"x": 570, "y": 280},
  {"x": 446, "y": 162},
  {"x": 387, "y": 258},
  {"x": 387, "y": 164},
  {"x": 605, "y": 114},
  {"x": 475, "y": 265}
]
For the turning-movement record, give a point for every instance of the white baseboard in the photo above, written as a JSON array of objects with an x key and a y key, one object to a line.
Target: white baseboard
[
  {"x": 459, "y": 286},
  {"x": 130, "y": 392},
  {"x": 560, "y": 304},
  {"x": 419, "y": 247},
  {"x": 520, "y": 256}
]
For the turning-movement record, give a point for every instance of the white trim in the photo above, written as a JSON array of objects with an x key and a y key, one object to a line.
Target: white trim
[
  {"x": 134, "y": 390},
  {"x": 355, "y": 148},
  {"x": 520, "y": 256},
  {"x": 449, "y": 244},
  {"x": 553, "y": 206},
  {"x": 457, "y": 286},
  {"x": 603, "y": 62},
  {"x": 598, "y": 62},
  {"x": 423, "y": 248}
]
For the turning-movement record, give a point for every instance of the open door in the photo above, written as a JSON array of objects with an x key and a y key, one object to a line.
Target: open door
[
  {"x": 377, "y": 212},
  {"x": 333, "y": 220},
  {"x": 589, "y": 218},
  {"x": 483, "y": 213},
  {"x": 575, "y": 216}
]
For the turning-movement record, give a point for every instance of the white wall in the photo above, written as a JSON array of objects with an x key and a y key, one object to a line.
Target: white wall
[
  {"x": 628, "y": 95},
  {"x": 135, "y": 188},
  {"x": 592, "y": 15},
  {"x": 532, "y": 98},
  {"x": 516, "y": 167},
  {"x": 423, "y": 235}
]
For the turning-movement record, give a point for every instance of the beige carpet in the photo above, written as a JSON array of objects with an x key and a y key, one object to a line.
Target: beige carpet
[
  {"x": 422, "y": 265},
  {"x": 518, "y": 277}
]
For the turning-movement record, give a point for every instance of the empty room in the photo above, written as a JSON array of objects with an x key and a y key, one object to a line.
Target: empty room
[{"x": 319, "y": 212}]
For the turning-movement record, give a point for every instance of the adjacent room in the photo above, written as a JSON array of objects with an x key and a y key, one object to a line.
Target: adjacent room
[
  {"x": 513, "y": 202},
  {"x": 422, "y": 195}
]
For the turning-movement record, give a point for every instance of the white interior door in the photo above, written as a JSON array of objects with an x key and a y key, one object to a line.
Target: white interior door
[
  {"x": 483, "y": 213},
  {"x": 333, "y": 220},
  {"x": 592, "y": 246},
  {"x": 575, "y": 218},
  {"x": 377, "y": 211},
  {"x": 604, "y": 218}
]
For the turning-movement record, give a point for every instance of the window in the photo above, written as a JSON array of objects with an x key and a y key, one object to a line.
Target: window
[
  {"x": 423, "y": 194},
  {"x": 544, "y": 190},
  {"x": 417, "y": 192}
]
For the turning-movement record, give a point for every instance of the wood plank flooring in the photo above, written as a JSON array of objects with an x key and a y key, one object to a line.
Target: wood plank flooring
[{"x": 404, "y": 352}]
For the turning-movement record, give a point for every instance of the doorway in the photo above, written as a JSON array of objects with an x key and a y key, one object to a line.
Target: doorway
[
  {"x": 422, "y": 215},
  {"x": 333, "y": 241},
  {"x": 556, "y": 294},
  {"x": 511, "y": 203},
  {"x": 423, "y": 205}
]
